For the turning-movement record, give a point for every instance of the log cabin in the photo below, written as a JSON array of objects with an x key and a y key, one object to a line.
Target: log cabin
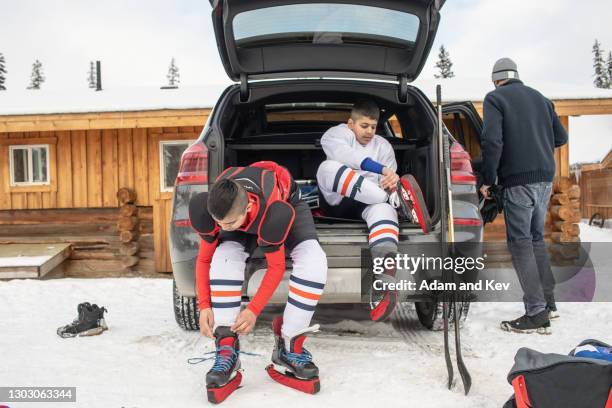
[{"x": 96, "y": 170}]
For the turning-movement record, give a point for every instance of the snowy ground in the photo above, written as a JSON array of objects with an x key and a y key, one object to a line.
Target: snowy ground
[{"x": 142, "y": 360}]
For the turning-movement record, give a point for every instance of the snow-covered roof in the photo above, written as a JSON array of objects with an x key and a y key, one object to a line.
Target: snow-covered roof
[
  {"x": 128, "y": 99},
  {"x": 475, "y": 89},
  {"x": 43, "y": 101}
]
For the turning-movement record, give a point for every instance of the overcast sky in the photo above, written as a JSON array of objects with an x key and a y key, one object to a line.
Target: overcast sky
[{"x": 550, "y": 40}]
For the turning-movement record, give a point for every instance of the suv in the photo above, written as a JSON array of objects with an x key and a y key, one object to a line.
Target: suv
[{"x": 298, "y": 67}]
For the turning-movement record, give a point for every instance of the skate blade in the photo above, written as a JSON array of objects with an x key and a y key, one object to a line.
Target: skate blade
[
  {"x": 217, "y": 395},
  {"x": 309, "y": 386}
]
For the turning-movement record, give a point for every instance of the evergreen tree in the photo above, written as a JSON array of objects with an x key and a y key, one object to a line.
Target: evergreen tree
[
  {"x": 37, "y": 77},
  {"x": 173, "y": 75},
  {"x": 2, "y": 72},
  {"x": 444, "y": 64},
  {"x": 601, "y": 78},
  {"x": 91, "y": 77}
]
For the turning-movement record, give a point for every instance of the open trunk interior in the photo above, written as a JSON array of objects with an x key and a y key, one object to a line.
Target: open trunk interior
[{"x": 288, "y": 130}]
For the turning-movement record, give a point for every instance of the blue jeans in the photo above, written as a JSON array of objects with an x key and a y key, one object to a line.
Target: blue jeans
[{"x": 525, "y": 210}]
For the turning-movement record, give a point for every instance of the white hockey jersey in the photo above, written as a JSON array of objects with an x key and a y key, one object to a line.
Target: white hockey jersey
[{"x": 340, "y": 144}]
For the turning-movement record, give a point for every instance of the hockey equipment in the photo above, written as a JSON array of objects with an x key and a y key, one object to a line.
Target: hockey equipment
[
  {"x": 412, "y": 203},
  {"x": 89, "y": 322},
  {"x": 394, "y": 200},
  {"x": 448, "y": 236},
  {"x": 560, "y": 381},
  {"x": 495, "y": 205},
  {"x": 300, "y": 372},
  {"x": 539, "y": 323},
  {"x": 383, "y": 302},
  {"x": 224, "y": 377}
]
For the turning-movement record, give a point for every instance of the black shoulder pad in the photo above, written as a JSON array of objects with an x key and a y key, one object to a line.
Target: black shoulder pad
[
  {"x": 200, "y": 219},
  {"x": 276, "y": 223}
]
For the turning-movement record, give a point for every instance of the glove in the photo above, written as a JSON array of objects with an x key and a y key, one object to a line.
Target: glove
[{"x": 490, "y": 208}]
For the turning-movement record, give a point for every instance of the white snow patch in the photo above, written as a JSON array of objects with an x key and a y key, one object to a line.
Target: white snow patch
[
  {"x": 15, "y": 261},
  {"x": 142, "y": 360},
  {"x": 589, "y": 233}
]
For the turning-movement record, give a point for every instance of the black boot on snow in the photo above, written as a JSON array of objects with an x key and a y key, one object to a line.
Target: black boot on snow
[
  {"x": 539, "y": 323},
  {"x": 224, "y": 377},
  {"x": 89, "y": 322},
  {"x": 300, "y": 372}
]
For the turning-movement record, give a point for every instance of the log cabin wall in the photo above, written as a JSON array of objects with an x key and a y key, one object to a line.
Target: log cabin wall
[
  {"x": 86, "y": 169},
  {"x": 596, "y": 187}
]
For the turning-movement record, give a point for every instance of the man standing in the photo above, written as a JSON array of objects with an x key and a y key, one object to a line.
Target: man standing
[{"x": 521, "y": 131}]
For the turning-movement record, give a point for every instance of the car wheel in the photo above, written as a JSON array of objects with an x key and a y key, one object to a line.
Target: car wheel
[
  {"x": 186, "y": 310},
  {"x": 430, "y": 314}
]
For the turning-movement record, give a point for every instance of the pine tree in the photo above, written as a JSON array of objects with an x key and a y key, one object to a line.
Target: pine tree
[
  {"x": 91, "y": 77},
  {"x": 173, "y": 75},
  {"x": 2, "y": 72},
  {"x": 601, "y": 78},
  {"x": 37, "y": 77},
  {"x": 609, "y": 69},
  {"x": 444, "y": 64}
]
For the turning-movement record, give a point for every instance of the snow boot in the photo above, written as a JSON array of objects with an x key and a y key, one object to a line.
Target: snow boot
[
  {"x": 89, "y": 322},
  {"x": 300, "y": 372},
  {"x": 224, "y": 377},
  {"x": 539, "y": 323},
  {"x": 412, "y": 204}
]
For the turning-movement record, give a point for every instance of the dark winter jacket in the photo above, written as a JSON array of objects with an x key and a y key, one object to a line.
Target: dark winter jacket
[{"x": 521, "y": 131}]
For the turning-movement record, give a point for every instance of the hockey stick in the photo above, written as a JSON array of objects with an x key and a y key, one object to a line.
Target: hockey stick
[
  {"x": 447, "y": 193},
  {"x": 444, "y": 233}
]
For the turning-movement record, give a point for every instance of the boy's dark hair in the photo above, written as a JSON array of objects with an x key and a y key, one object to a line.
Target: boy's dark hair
[
  {"x": 226, "y": 196},
  {"x": 365, "y": 107}
]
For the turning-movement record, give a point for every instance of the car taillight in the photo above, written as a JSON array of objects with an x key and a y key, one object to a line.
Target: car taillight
[
  {"x": 461, "y": 166},
  {"x": 194, "y": 165},
  {"x": 467, "y": 222}
]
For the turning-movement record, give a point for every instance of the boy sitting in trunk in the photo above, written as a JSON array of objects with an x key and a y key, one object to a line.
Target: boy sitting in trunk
[{"x": 359, "y": 180}]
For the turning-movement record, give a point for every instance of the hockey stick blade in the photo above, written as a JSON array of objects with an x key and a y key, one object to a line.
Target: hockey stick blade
[
  {"x": 447, "y": 357},
  {"x": 466, "y": 378}
]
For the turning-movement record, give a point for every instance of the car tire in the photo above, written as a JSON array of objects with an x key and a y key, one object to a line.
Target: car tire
[
  {"x": 430, "y": 314},
  {"x": 186, "y": 310}
]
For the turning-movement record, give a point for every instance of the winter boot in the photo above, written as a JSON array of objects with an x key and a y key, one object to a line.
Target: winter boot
[
  {"x": 539, "y": 323},
  {"x": 89, "y": 322},
  {"x": 300, "y": 372}
]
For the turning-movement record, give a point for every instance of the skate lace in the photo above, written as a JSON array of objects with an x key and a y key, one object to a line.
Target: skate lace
[
  {"x": 299, "y": 359},
  {"x": 223, "y": 361}
]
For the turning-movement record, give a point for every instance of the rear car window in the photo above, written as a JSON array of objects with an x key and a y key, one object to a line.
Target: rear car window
[
  {"x": 325, "y": 23},
  {"x": 319, "y": 117}
]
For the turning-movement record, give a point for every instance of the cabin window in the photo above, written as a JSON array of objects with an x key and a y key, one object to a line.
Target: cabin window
[
  {"x": 29, "y": 165},
  {"x": 170, "y": 160}
]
